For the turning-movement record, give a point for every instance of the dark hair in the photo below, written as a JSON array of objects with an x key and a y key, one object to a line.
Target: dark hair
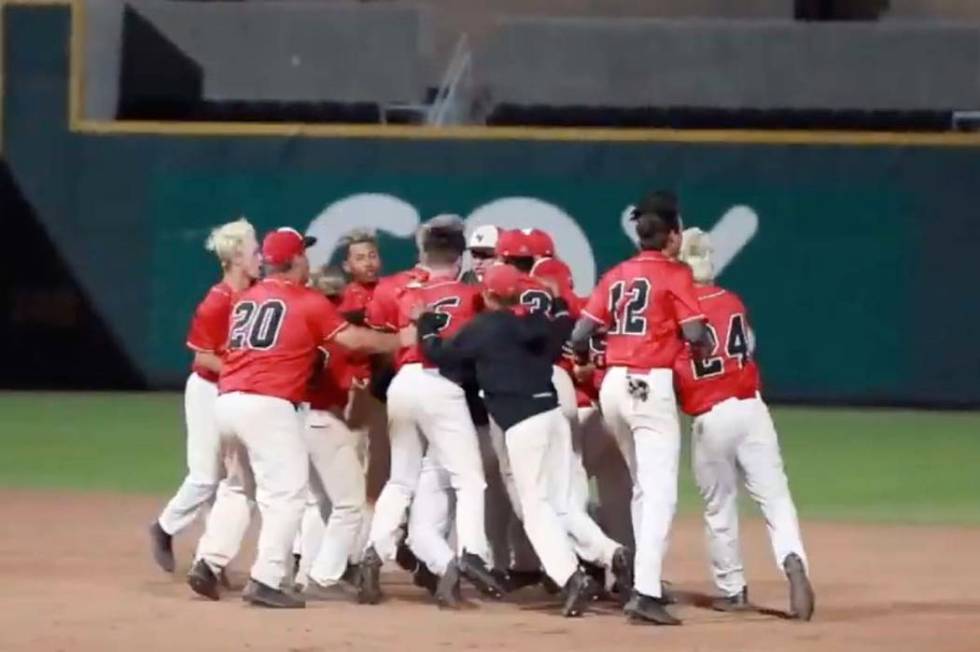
[
  {"x": 281, "y": 268},
  {"x": 355, "y": 237},
  {"x": 656, "y": 216},
  {"x": 443, "y": 246},
  {"x": 523, "y": 263}
]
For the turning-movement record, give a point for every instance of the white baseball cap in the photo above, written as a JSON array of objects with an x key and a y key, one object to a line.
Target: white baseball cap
[{"x": 483, "y": 237}]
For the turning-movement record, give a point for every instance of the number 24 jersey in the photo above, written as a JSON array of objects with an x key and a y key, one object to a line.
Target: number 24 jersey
[
  {"x": 642, "y": 302},
  {"x": 729, "y": 371},
  {"x": 276, "y": 328}
]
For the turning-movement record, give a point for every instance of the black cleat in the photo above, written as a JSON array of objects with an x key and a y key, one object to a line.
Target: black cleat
[
  {"x": 316, "y": 592},
  {"x": 203, "y": 581},
  {"x": 578, "y": 592},
  {"x": 643, "y": 608},
  {"x": 597, "y": 573},
  {"x": 406, "y": 559},
  {"x": 733, "y": 603},
  {"x": 161, "y": 544},
  {"x": 426, "y": 579},
  {"x": 369, "y": 582},
  {"x": 801, "y": 597},
  {"x": 446, "y": 592},
  {"x": 475, "y": 570},
  {"x": 622, "y": 568},
  {"x": 262, "y": 595},
  {"x": 667, "y": 593},
  {"x": 518, "y": 579}
]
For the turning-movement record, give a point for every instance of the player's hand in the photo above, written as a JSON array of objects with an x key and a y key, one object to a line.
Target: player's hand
[
  {"x": 429, "y": 322},
  {"x": 416, "y": 311},
  {"x": 583, "y": 372}
]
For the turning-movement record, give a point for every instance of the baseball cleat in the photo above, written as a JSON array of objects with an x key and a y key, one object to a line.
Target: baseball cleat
[
  {"x": 406, "y": 559},
  {"x": 203, "y": 581},
  {"x": 369, "y": 582},
  {"x": 447, "y": 590},
  {"x": 622, "y": 568},
  {"x": 162, "y": 545},
  {"x": 801, "y": 596},
  {"x": 733, "y": 603},
  {"x": 598, "y": 575},
  {"x": 475, "y": 570},
  {"x": 426, "y": 579},
  {"x": 578, "y": 592},
  {"x": 314, "y": 591},
  {"x": 646, "y": 609},
  {"x": 667, "y": 593},
  {"x": 262, "y": 595}
]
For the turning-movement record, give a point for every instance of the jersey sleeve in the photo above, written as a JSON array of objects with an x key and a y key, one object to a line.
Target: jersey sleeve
[
  {"x": 209, "y": 326},
  {"x": 597, "y": 305},
  {"x": 327, "y": 321},
  {"x": 684, "y": 296},
  {"x": 382, "y": 311}
]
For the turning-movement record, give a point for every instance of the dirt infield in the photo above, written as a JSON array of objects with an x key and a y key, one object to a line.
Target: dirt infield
[{"x": 75, "y": 575}]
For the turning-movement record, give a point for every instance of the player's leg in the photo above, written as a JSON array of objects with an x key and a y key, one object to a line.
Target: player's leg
[
  {"x": 497, "y": 503},
  {"x": 272, "y": 431},
  {"x": 603, "y": 461},
  {"x": 404, "y": 399},
  {"x": 525, "y": 565},
  {"x": 333, "y": 451},
  {"x": 765, "y": 479},
  {"x": 715, "y": 438},
  {"x": 203, "y": 457},
  {"x": 430, "y": 517},
  {"x": 312, "y": 528},
  {"x": 615, "y": 401}
]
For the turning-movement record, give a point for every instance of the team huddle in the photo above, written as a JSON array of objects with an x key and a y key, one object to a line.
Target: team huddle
[{"x": 520, "y": 434}]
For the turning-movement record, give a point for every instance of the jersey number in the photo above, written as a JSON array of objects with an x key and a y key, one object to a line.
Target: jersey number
[
  {"x": 629, "y": 320},
  {"x": 440, "y": 307},
  {"x": 256, "y": 326},
  {"x": 536, "y": 301},
  {"x": 737, "y": 348}
]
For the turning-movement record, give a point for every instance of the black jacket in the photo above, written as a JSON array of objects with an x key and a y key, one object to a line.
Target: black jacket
[{"x": 513, "y": 357}]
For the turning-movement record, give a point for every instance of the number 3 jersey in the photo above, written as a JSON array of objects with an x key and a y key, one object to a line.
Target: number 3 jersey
[
  {"x": 729, "y": 371},
  {"x": 642, "y": 302},
  {"x": 276, "y": 328}
]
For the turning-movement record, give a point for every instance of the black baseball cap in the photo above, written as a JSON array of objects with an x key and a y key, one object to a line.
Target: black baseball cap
[{"x": 662, "y": 203}]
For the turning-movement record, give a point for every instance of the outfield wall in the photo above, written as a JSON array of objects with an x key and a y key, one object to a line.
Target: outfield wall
[{"x": 855, "y": 256}]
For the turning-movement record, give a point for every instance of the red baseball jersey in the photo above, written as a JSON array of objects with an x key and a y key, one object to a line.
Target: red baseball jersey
[
  {"x": 276, "y": 328},
  {"x": 332, "y": 376},
  {"x": 642, "y": 302},
  {"x": 356, "y": 298},
  {"x": 730, "y": 371},
  {"x": 209, "y": 326},
  {"x": 458, "y": 301},
  {"x": 556, "y": 269},
  {"x": 382, "y": 310}
]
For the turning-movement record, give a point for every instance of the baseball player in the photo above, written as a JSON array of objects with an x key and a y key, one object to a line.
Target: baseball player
[
  {"x": 525, "y": 406},
  {"x": 732, "y": 435},
  {"x": 482, "y": 247},
  {"x": 277, "y": 327},
  {"x": 237, "y": 250},
  {"x": 427, "y": 408},
  {"x": 644, "y": 304}
]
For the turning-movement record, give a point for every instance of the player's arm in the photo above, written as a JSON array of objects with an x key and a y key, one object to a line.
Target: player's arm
[
  {"x": 462, "y": 348},
  {"x": 691, "y": 318},
  {"x": 208, "y": 360},
  {"x": 595, "y": 314},
  {"x": 367, "y": 340}
]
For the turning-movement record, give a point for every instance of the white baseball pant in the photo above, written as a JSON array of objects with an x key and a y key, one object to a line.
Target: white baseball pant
[
  {"x": 268, "y": 433},
  {"x": 338, "y": 480},
  {"x": 521, "y": 555},
  {"x": 554, "y": 522},
  {"x": 647, "y": 430},
  {"x": 739, "y": 435},
  {"x": 422, "y": 403},
  {"x": 230, "y": 514},
  {"x": 204, "y": 468},
  {"x": 603, "y": 461},
  {"x": 430, "y": 518}
]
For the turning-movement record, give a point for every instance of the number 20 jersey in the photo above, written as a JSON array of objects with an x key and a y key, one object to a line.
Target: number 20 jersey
[
  {"x": 276, "y": 328},
  {"x": 642, "y": 302},
  {"x": 729, "y": 371}
]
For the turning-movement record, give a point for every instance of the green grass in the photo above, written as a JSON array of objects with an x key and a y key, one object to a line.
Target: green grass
[{"x": 869, "y": 465}]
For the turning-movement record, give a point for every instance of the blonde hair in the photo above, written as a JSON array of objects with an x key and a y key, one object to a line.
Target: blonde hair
[
  {"x": 227, "y": 240},
  {"x": 328, "y": 280},
  {"x": 696, "y": 252}
]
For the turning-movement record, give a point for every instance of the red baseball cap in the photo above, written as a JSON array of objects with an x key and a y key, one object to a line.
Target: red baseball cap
[
  {"x": 514, "y": 243},
  {"x": 557, "y": 270},
  {"x": 284, "y": 244},
  {"x": 541, "y": 243},
  {"x": 504, "y": 280}
]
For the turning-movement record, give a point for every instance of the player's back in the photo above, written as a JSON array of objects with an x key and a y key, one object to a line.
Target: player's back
[
  {"x": 276, "y": 327},
  {"x": 456, "y": 301},
  {"x": 643, "y": 301},
  {"x": 729, "y": 371}
]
